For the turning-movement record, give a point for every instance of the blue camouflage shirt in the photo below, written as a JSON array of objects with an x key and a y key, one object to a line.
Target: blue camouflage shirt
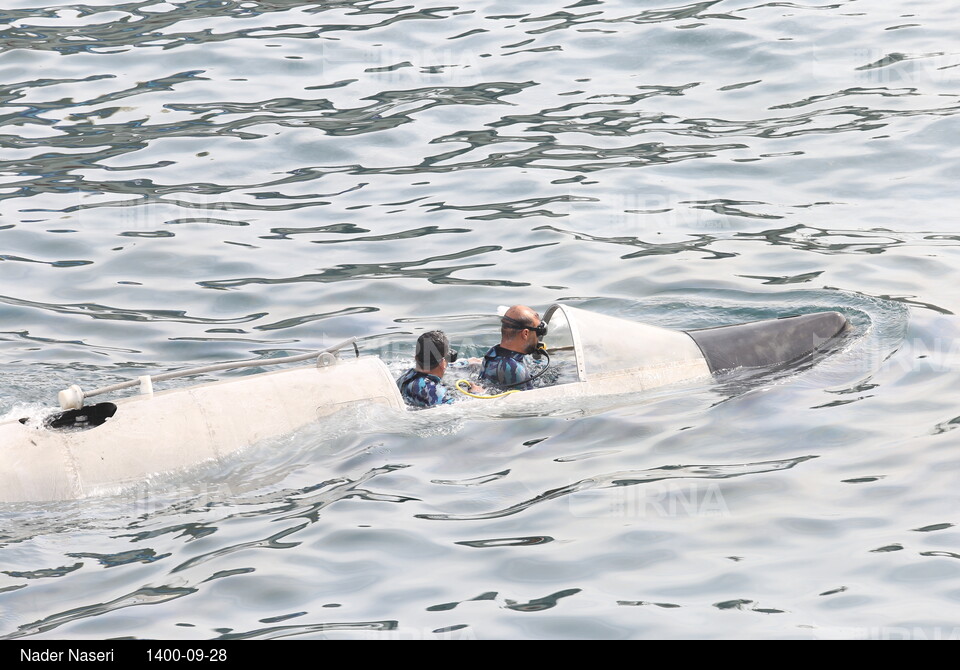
[
  {"x": 505, "y": 368},
  {"x": 423, "y": 390}
]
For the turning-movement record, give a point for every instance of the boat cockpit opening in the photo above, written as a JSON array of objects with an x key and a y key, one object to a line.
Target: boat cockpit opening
[
  {"x": 84, "y": 418},
  {"x": 596, "y": 345}
]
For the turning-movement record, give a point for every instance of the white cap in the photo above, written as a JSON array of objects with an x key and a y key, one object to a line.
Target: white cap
[{"x": 71, "y": 398}]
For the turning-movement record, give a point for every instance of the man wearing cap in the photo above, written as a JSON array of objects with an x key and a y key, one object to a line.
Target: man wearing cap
[
  {"x": 505, "y": 365},
  {"x": 422, "y": 385}
]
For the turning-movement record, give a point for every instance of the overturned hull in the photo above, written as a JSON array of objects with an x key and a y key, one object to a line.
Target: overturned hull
[{"x": 102, "y": 447}]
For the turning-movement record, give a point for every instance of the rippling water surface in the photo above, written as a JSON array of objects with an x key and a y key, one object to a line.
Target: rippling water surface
[{"x": 188, "y": 182}]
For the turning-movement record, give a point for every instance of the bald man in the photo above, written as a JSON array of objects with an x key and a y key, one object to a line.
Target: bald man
[{"x": 505, "y": 365}]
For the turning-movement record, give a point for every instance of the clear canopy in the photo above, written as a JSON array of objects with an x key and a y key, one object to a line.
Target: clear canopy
[{"x": 605, "y": 345}]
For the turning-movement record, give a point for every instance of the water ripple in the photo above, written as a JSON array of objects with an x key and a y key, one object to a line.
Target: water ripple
[{"x": 631, "y": 478}]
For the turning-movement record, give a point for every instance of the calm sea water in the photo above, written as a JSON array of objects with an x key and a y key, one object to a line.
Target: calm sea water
[{"x": 189, "y": 182}]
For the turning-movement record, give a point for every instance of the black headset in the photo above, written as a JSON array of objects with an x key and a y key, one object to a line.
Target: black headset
[{"x": 540, "y": 330}]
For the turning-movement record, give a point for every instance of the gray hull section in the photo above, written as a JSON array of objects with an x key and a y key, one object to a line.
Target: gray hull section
[{"x": 770, "y": 342}]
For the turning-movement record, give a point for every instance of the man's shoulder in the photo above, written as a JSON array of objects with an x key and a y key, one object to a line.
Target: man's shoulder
[
  {"x": 413, "y": 374},
  {"x": 423, "y": 390},
  {"x": 498, "y": 352},
  {"x": 407, "y": 376}
]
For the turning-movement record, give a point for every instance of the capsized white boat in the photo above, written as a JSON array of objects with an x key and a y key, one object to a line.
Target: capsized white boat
[{"x": 88, "y": 448}]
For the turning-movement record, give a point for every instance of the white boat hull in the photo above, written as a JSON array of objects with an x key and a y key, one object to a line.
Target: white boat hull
[
  {"x": 122, "y": 443},
  {"x": 180, "y": 428}
]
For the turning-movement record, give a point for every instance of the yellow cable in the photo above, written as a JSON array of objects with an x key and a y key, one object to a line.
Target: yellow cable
[{"x": 482, "y": 397}]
